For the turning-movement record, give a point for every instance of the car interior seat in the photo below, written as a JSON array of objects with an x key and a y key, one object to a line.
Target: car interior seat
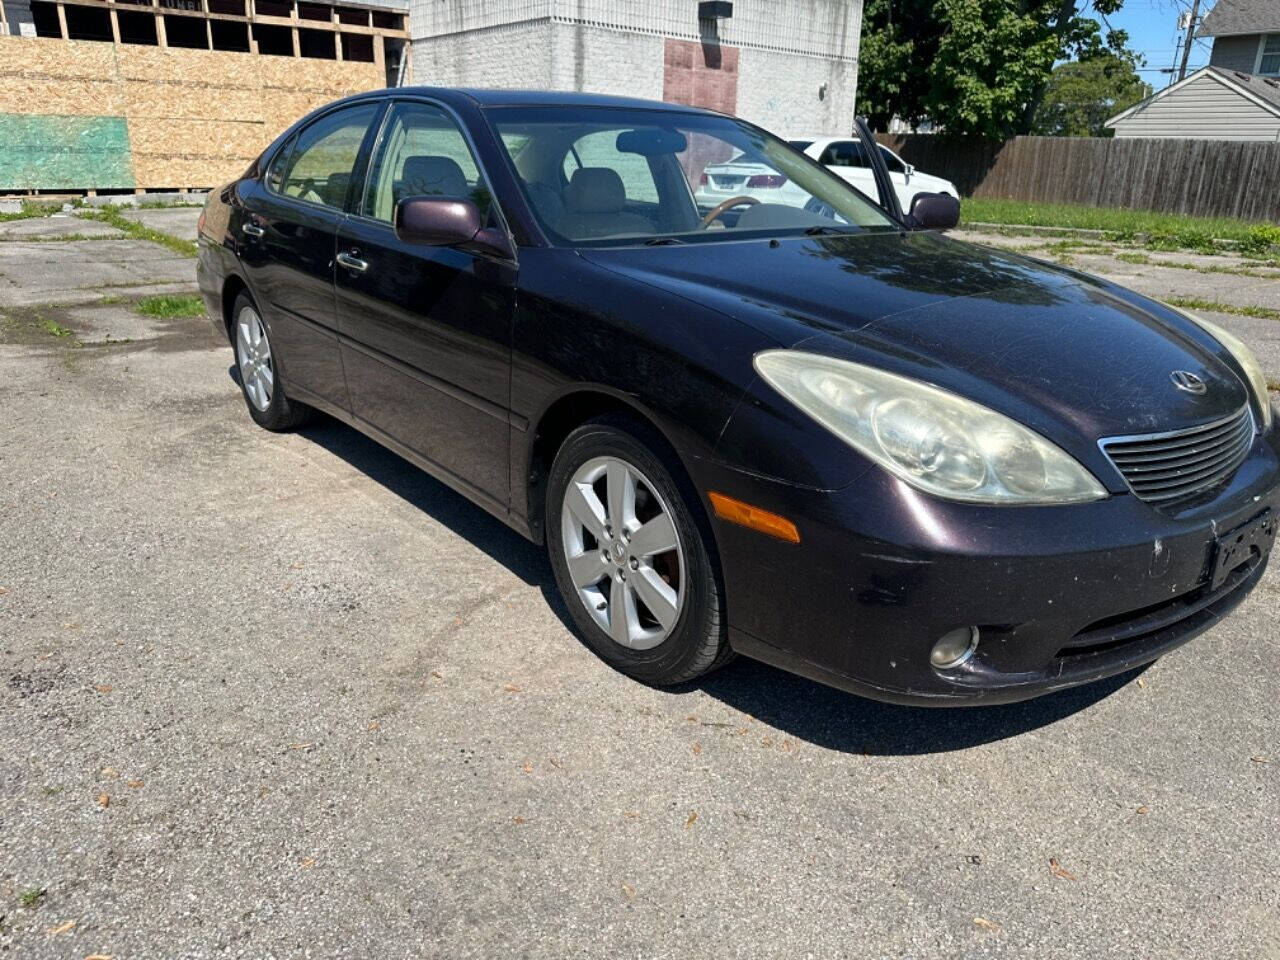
[{"x": 593, "y": 203}]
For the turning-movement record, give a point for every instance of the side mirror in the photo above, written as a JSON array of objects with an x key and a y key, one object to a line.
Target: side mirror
[
  {"x": 907, "y": 171},
  {"x": 436, "y": 221},
  {"x": 934, "y": 211},
  {"x": 448, "y": 222}
]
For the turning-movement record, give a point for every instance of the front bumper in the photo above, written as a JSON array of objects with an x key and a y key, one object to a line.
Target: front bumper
[{"x": 1061, "y": 595}]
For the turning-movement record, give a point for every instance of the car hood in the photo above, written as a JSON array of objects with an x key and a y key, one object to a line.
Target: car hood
[
  {"x": 927, "y": 183},
  {"x": 1072, "y": 356}
]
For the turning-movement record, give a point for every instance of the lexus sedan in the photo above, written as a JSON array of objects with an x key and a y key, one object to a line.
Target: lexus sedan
[{"x": 800, "y": 428}]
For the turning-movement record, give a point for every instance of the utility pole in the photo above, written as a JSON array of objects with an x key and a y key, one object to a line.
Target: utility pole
[{"x": 1191, "y": 32}]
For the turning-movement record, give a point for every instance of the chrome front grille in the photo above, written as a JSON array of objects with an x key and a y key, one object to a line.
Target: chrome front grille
[{"x": 1163, "y": 466}]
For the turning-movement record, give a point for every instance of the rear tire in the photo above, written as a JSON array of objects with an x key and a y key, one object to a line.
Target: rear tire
[
  {"x": 636, "y": 569},
  {"x": 258, "y": 369}
]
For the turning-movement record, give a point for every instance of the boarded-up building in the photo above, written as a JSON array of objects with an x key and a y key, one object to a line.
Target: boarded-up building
[{"x": 111, "y": 95}]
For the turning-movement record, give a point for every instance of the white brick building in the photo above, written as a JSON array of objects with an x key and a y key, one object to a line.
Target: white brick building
[{"x": 788, "y": 65}]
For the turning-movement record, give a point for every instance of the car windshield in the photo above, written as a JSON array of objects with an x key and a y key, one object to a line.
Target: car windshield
[{"x": 602, "y": 176}]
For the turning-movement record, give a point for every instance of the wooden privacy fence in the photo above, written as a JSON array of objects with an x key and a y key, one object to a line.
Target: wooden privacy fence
[{"x": 1210, "y": 178}]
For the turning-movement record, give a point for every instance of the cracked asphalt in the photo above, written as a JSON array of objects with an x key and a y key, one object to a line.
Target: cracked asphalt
[{"x": 284, "y": 696}]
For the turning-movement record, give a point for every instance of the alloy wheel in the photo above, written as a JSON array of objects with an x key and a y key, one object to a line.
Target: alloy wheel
[
  {"x": 253, "y": 353},
  {"x": 623, "y": 552}
]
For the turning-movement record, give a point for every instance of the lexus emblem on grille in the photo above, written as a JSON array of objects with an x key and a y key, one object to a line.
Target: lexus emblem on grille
[{"x": 1188, "y": 382}]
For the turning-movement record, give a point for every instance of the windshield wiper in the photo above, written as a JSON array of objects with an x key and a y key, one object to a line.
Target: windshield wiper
[
  {"x": 823, "y": 230},
  {"x": 661, "y": 241}
]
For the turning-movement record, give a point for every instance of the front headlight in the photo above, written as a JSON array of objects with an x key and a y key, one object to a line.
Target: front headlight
[
  {"x": 932, "y": 439},
  {"x": 1248, "y": 363}
]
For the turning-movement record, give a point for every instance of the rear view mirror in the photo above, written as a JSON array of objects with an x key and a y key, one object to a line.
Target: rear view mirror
[
  {"x": 436, "y": 221},
  {"x": 934, "y": 211},
  {"x": 651, "y": 142}
]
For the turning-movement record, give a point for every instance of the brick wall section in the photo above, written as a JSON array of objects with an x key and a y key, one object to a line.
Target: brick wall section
[
  {"x": 195, "y": 118},
  {"x": 701, "y": 75}
]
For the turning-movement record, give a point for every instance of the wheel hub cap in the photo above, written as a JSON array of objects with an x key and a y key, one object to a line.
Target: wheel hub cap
[
  {"x": 623, "y": 552},
  {"x": 253, "y": 354}
]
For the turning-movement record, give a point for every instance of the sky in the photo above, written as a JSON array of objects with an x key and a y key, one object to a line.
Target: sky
[{"x": 1153, "y": 32}]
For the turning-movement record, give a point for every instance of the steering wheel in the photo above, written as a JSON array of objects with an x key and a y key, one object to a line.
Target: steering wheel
[{"x": 719, "y": 209}]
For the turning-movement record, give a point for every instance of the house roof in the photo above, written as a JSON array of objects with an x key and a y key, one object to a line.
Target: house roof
[
  {"x": 1264, "y": 91},
  {"x": 1233, "y": 17}
]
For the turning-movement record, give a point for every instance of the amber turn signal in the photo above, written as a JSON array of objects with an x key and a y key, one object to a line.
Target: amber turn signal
[{"x": 735, "y": 511}]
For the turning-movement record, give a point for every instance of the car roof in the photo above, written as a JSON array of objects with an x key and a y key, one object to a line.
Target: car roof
[{"x": 544, "y": 98}]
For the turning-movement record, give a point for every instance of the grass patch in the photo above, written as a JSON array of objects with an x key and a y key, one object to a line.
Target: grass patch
[
  {"x": 138, "y": 231},
  {"x": 32, "y": 208},
  {"x": 29, "y": 898},
  {"x": 1142, "y": 259},
  {"x": 1162, "y": 231},
  {"x": 53, "y": 327},
  {"x": 172, "y": 306},
  {"x": 1214, "y": 306}
]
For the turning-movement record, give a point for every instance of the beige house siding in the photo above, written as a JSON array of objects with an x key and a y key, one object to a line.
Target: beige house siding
[
  {"x": 1204, "y": 108},
  {"x": 1235, "y": 53}
]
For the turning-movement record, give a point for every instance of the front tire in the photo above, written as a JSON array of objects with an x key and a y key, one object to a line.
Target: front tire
[
  {"x": 259, "y": 371},
  {"x": 631, "y": 561}
]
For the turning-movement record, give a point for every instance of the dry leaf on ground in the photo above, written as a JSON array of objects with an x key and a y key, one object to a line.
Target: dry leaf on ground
[
  {"x": 1144, "y": 809},
  {"x": 511, "y": 687},
  {"x": 103, "y": 688},
  {"x": 697, "y": 748},
  {"x": 693, "y": 816},
  {"x": 519, "y": 820},
  {"x": 628, "y": 891},
  {"x": 62, "y": 928},
  {"x": 134, "y": 784},
  {"x": 1060, "y": 871},
  {"x": 104, "y": 800},
  {"x": 1260, "y": 759},
  {"x": 986, "y": 924}
]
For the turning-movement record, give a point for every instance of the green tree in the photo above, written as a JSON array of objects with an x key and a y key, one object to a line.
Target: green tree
[
  {"x": 1082, "y": 94},
  {"x": 974, "y": 67},
  {"x": 899, "y": 38}
]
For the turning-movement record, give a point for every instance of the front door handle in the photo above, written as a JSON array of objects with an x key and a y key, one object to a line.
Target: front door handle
[
  {"x": 253, "y": 230},
  {"x": 353, "y": 263}
]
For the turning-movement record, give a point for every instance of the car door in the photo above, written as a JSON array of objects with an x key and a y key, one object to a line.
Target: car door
[
  {"x": 426, "y": 331},
  {"x": 288, "y": 239}
]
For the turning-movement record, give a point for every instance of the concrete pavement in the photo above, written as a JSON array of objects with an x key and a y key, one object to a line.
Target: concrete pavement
[{"x": 286, "y": 696}]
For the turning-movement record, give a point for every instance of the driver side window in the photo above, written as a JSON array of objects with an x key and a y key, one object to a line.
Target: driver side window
[{"x": 421, "y": 153}]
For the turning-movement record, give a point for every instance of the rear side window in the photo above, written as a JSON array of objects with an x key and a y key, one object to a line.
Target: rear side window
[
  {"x": 421, "y": 153},
  {"x": 280, "y": 163},
  {"x": 845, "y": 153},
  {"x": 320, "y": 164}
]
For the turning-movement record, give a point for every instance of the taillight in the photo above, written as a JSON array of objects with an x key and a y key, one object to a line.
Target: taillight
[
  {"x": 702, "y": 181},
  {"x": 200, "y": 223},
  {"x": 766, "y": 180}
]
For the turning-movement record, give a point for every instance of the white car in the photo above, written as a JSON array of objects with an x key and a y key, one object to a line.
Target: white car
[
  {"x": 847, "y": 158},
  {"x": 843, "y": 156}
]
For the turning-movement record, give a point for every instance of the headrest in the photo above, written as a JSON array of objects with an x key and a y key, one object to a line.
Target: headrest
[
  {"x": 594, "y": 190},
  {"x": 432, "y": 176}
]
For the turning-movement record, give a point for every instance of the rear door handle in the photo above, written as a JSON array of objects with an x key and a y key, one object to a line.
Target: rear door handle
[
  {"x": 253, "y": 230},
  {"x": 352, "y": 262}
]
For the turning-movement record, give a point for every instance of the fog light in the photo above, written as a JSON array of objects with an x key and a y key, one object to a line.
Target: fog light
[{"x": 954, "y": 648}]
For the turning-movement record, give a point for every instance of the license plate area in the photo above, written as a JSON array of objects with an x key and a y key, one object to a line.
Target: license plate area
[{"x": 1246, "y": 545}]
